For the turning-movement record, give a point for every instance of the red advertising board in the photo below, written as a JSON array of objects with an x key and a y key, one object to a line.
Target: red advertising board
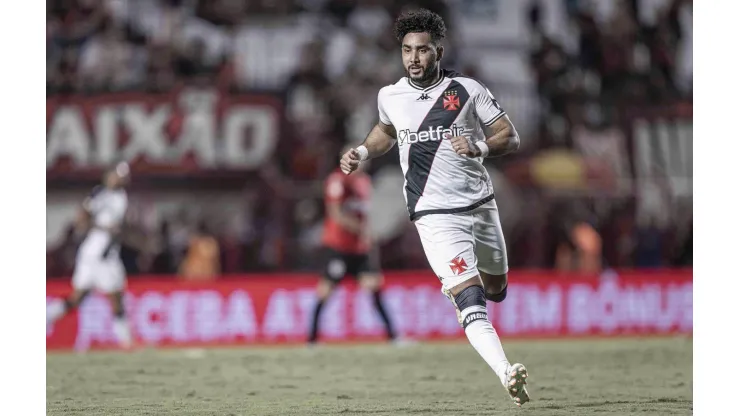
[{"x": 275, "y": 309}]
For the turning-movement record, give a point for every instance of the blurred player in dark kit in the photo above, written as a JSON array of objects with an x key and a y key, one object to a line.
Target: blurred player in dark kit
[{"x": 347, "y": 244}]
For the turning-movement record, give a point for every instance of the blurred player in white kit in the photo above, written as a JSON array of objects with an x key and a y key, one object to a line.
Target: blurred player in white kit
[
  {"x": 445, "y": 124},
  {"x": 98, "y": 265}
]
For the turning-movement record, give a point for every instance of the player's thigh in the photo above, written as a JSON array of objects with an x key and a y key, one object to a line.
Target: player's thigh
[
  {"x": 369, "y": 274},
  {"x": 83, "y": 277},
  {"x": 493, "y": 284},
  {"x": 111, "y": 276},
  {"x": 490, "y": 246},
  {"x": 449, "y": 246}
]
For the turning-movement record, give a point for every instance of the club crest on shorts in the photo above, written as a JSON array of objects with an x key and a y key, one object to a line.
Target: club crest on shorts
[{"x": 458, "y": 265}]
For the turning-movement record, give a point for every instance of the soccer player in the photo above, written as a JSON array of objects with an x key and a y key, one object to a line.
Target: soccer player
[
  {"x": 98, "y": 265},
  {"x": 445, "y": 124},
  {"x": 347, "y": 243}
]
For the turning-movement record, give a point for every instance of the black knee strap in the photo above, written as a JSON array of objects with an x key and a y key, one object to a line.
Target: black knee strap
[
  {"x": 471, "y": 296},
  {"x": 499, "y": 297}
]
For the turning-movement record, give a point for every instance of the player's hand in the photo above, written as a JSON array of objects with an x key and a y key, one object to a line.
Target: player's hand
[
  {"x": 350, "y": 161},
  {"x": 463, "y": 147}
]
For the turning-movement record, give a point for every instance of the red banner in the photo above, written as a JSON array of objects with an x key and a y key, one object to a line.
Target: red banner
[{"x": 276, "y": 309}]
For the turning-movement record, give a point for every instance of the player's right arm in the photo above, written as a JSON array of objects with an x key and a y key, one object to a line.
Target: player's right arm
[
  {"x": 378, "y": 142},
  {"x": 84, "y": 219}
]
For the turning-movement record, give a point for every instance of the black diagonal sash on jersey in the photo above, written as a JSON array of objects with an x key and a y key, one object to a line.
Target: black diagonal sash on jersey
[
  {"x": 421, "y": 154},
  {"x": 114, "y": 246}
]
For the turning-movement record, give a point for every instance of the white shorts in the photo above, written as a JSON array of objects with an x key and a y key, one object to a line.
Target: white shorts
[
  {"x": 457, "y": 246},
  {"x": 103, "y": 275}
]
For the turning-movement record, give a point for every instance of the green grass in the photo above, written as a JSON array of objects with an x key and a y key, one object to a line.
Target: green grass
[{"x": 601, "y": 377}]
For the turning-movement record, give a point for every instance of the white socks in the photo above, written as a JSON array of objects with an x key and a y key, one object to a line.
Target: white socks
[
  {"x": 122, "y": 331},
  {"x": 54, "y": 311},
  {"x": 485, "y": 340}
]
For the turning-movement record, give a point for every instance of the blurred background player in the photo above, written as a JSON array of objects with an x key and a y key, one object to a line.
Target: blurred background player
[
  {"x": 348, "y": 246},
  {"x": 98, "y": 265}
]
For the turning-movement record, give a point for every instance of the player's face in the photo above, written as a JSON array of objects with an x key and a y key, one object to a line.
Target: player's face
[
  {"x": 124, "y": 180},
  {"x": 115, "y": 181},
  {"x": 420, "y": 57}
]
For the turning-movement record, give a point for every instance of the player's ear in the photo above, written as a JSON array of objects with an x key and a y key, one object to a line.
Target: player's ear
[{"x": 440, "y": 52}]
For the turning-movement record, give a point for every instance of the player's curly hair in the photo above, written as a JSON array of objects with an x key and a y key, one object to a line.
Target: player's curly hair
[{"x": 419, "y": 21}]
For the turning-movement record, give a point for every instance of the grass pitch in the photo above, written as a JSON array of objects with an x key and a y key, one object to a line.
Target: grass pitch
[{"x": 602, "y": 377}]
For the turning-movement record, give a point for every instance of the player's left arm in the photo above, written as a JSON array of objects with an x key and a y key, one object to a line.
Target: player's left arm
[
  {"x": 501, "y": 136},
  {"x": 84, "y": 220},
  {"x": 501, "y": 139}
]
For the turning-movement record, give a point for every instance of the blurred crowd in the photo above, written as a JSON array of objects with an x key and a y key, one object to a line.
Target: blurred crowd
[
  {"x": 625, "y": 58},
  {"x": 609, "y": 61},
  {"x": 96, "y": 46},
  {"x": 327, "y": 59}
]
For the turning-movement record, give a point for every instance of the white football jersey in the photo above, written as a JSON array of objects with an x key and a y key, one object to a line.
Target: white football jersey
[
  {"x": 437, "y": 179},
  {"x": 107, "y": 209}
]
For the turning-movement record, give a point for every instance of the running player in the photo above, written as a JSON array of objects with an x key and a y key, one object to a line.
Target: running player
[
  {"x": 98, "y": 265},
  {"x": 445, "y": 124},
  {"x": 348, "y": 248}
]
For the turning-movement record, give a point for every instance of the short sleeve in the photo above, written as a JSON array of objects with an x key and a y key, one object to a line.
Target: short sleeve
[
  {"x": 486, "y": 106},
  {"x": 89, "y": 204},
  {"x": 381, "y": 111}
]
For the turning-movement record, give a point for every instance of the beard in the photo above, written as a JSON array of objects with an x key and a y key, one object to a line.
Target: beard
[{"x": 426, "y": 77}]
